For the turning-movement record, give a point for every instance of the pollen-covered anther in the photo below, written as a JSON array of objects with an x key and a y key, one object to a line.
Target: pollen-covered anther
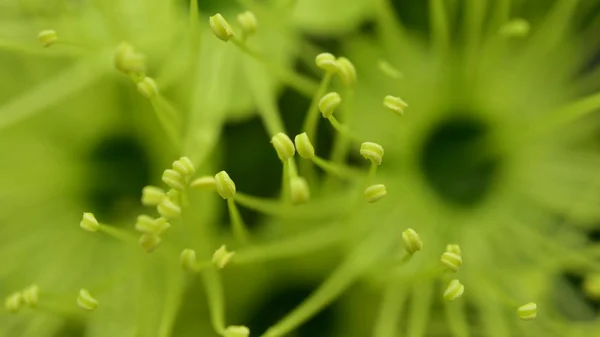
[
  {"x": 411, "y": 241},
  {"x": 375, "y": 192},
  {"x": 372, "y": 151},
  {"x": 518, "y": 28},
  {"x": 47, "y": 37},
  {"x": 346, "y": 71},
  {"x": 31, "y": 295},
  {"x": 527, "y": 312},
  {"x": 454, "y": 248},
  {"x": 329, "y": 103},
  {"x": 150, "y": 242},
  {"x": 168, "y": 209},
  {"x": 225, "y": 185},
  {"x": 283, "y": 145},
  {"x": 248, "y": 22},
  {"x": 327, "y": 62},
  {"x": 303, "y": 146},
  {"x": 184, "y": 166},
  {"x": 454, "y": 290},
  {"x": 236, "y": 331},
  {"x": 221, "y": 257},
  {"x": 149, "y": 225},
  {"x": 188, "y": 260},
  {"x": 220, "y": 27},
  {"x": 174, "y": 179},
  {"x": 395, "y": 104},
  {"x": 148, "y": 87},
  {"x": 86, "y": 301},
  {"x": 13, "y": 302},
  {"x": 152, "y": 195},
  {"x": 128, "y": 61},
  {"x": 451, "y": 261},
  {"x": 89, "y": 222},
  {"x": 204, "y": 183},
  {"x": 299, "y": 190}
]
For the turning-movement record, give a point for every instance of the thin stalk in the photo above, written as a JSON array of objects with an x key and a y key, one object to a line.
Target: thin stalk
[{"x": 240, "y": 232}]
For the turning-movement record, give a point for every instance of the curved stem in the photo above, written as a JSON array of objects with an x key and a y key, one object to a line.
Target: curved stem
[{"x": 237, "y": 223}]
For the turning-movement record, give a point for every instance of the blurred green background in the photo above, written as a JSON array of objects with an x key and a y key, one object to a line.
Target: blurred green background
[{"x": 487, "y": 155}]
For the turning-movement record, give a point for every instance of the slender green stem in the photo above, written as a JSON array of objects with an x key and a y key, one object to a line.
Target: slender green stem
[
  {"x": 567, "y": 114},
  {"x": 118, "y": 234},
  {"x": 420, "y": 307},
  {"x": 169, "y": 119},
  {"x": 501, "y": 15},
  {"x": 216, "y": 302},
  {"x": 281, "y": 209},
  {"x": 285, "y": 187},
  {"x": 341, "y": 145},
  {"x": 475, "y": 15},
  {"x": 333, "y": 168},
  {"x": 439, "y": 26},
  {"x": 172, "y": 305},
  {"x": 390, "y": 311},
  {"x": 342, "y": 129},
  {"x": 302, "y": 84},
  {"x": 311, "y": 121},
  {"x": 456, "y": 319},
  {"x": 240, "y": 232}
]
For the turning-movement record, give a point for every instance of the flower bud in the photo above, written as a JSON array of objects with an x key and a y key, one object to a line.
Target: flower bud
[
  {"x": 454, "y": 290},
  {"x": 225, "y": 186},
  {"x": 149, "y": 225},
  {"x": 451, "y": 261},
  {"x": 236, "y": 331},
  {"x": 220, "y": 27},
  {"x": 168, "y": 209},
  {"x": 173, "y": 179},
  {"x": 411, "y": 241},
  {"x": 346, "y": 71},
  {"x": 304, "y": 146},
  {"x": 13, "y": 302},
  {"x": 89, "y": 222},
  {"x": 152, "y": 195},
  {"x": 248, "y": 22},
  {"x": 31, "y": 295},
  {"x": 527, "y": 312},
  {"x": 327, "y": 62},
  {"x": 515, "y": 28},
  {"x": 283, "y": 145},
  {"x": 454, "y": 248},
  {"x": 375, "y": 192},
  {"x": 188, "y": 260},
  {"x": 221, "y": 257},
  {"x": 372, "y": 151},
  {"x": 47, "y": 37},
  {"x": 329, "y": 103},
  {"x": 299, "y": 190},
  {"x": 86, "y": 301},
  {"x": 396, "y": 104},
  {"x": 148, "y": 88},
  {"x": 184, "y": 166},
  {"x": 150, "y": 242},
  {"x": 128, "y": 61},
  {"x": 204, "y": 183}
]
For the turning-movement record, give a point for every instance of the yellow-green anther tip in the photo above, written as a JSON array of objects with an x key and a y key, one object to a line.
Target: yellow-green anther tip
[
  {"x": 283, "y": 146},
  {"x": 411, "y": 241},
  {"x": 299, "y": 190},
  {"x": 220, "y": 27},
  {"x": 47, "y": 37},
  {"x": 236, "y": 331},
  {"x": 327, "y": 62},
  {"x": 375, "y": 192},
  {"x": 221, "y": 257},
  {"x": 174, "y": 179},
  {"x": 86, "y": 301},
  {"x": 515, "y": 28},
  {"x": 89, "y": 223},
  {"x": 128, "y": 61},
  {"x": 184, "y": 166},
  {"x": 168, "y": 209},
  {"x": 13, "y": 302},
  {"x": 395, "y": 104},
  {"x": 150, "y": 242},
  {"x": 454, "y": 248},
  {"x": 225, "y": 185},
  {"x": 31, "y": 295},
  {"x": 148, "y": 88},
  {"x": 372, "y": 151},
  {"x": 303, "y": 146},
  {"x": 204, "y": 183},
  {"x": 148, "y": 225},
  {"x": 454, "y": 290},
  {"x": 248, "y": 22},
  {"x": 188, "y": 260},
  {"x": 329, "y": 103},
  {"x": 527, "y": 312},
  {"x": 346, "y": 71},
  {"x": 152, "y": 195},
  {"x": 452, "y": 261}
]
